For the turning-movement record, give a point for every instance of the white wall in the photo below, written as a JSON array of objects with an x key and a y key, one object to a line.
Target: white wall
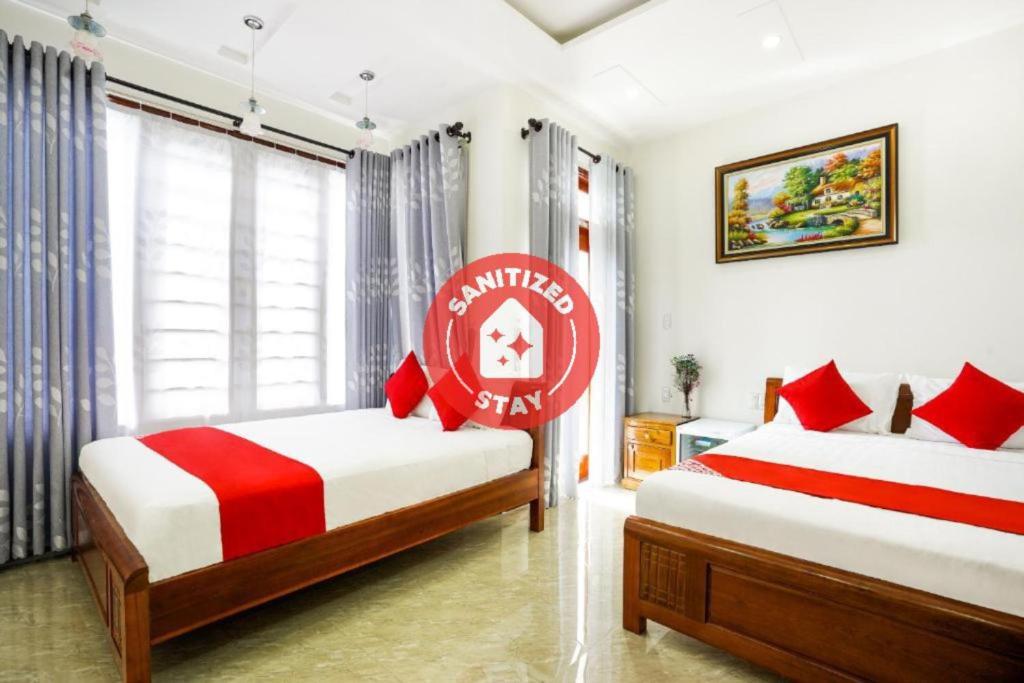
[
  {"x": 950, "y": 291},
  {"x": 146, "y": 68},
  {"x": 498, "y": 169}
]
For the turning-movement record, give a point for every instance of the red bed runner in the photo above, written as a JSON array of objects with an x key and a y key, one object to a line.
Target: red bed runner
[
  {"x": 266, "y": 499},
  {"x": 926, "y": 501}
]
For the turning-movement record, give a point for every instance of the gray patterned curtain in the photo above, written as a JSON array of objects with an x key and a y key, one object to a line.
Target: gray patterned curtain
[
  {"x": 56, "y": 361},
  {"x": 613, "y": 293},
  {"x": 371, "y": 288},
  {"x": 554, "y": 235},
  {"x": 429, "y": 185}
]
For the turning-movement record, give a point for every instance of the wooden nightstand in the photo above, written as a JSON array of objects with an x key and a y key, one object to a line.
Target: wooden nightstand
[{"x": 649, "y": 445}]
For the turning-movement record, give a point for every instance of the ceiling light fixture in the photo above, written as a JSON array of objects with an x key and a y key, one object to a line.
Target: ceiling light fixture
[
  {"x": 771, "y": 41},
  {"x": 365, "y": 140},
  {"x": 88, "y": 31},
  {"x": 252, "y": 112}
]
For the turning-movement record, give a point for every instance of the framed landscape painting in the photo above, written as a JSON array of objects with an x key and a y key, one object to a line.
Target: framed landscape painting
[{"x": 836, "y": 194}]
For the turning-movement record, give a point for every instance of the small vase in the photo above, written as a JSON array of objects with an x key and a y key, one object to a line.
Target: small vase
[{"x": 686, "y": 405}]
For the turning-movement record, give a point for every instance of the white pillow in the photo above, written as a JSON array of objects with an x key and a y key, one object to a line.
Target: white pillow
[
  {"x": 878, "y": 390},
  {"x": 927, "y": 388},
  {"x": 425, "y": 408}
]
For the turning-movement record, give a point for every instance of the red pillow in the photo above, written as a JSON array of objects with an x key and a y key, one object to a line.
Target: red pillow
[
  {"x": 441, "y": 393},
  {"x": 822, "y": 400},
  {"x": 977, "y": 410},
  {"x": 406, "y": 386},
  {"x": 453, "y": 403}
]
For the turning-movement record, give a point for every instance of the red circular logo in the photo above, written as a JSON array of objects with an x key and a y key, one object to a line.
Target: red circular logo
[{"x": 511, "y": 340}]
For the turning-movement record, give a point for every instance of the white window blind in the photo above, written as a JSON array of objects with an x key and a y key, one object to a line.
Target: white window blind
[{"x": 228, "y": 268}]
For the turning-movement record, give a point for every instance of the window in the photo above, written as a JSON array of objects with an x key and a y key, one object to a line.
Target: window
[{"x": 228, "y": 263}]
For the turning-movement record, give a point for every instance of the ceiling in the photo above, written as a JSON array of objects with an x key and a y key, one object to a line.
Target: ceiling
[
  {"x": 661, "y": 66},
  {"x": 568, "y": 19}
]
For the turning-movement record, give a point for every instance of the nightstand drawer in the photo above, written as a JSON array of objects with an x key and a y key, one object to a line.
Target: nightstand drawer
[
  {"x": 661, "y": 437},
  {"x": 647, "y": 460}
]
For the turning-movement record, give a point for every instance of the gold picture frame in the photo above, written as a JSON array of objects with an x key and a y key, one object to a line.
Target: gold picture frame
[{"x": 829, "y": 195}]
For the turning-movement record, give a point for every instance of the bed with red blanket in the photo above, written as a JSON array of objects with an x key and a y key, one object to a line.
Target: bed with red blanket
[
  {"x": 837, "y": 555},
  {"x": 181, "y": 528}
]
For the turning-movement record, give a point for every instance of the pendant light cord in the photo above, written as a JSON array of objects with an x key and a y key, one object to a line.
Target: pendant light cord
[{"x": 252, "y": 63}]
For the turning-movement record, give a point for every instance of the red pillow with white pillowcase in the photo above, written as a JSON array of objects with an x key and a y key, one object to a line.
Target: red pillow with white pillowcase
[
  {"x": 406, "y": 386},
  {"x": 977, "y": 410},
  {"x": 823, "y": 400}
]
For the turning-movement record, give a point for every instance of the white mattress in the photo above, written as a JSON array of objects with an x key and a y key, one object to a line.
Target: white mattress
[
  {"x": 370, "y": 463},
  {"x": 976, "y": 565}
]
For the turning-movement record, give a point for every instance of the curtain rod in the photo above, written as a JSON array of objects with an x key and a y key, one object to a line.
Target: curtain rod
[
  {"x": 455, "y": 131},
  {"x": 235, "y": 120},
  {"x": 537, "y": 125}
]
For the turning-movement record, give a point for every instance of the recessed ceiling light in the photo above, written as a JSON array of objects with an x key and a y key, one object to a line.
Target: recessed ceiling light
[{"x": 771, "y": 41}]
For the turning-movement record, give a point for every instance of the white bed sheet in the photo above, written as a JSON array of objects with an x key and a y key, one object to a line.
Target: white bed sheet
[
  {"x": 371, "y": 463},
  {"x": 976, "y": 565}
]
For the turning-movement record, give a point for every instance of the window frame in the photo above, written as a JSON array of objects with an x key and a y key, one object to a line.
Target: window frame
[{"x": 239, "y": 408}]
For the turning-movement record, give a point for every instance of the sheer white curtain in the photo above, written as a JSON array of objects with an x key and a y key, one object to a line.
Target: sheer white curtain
[
  {"x": 228, "y": 267},
  {"x": 612, "y": 292}
]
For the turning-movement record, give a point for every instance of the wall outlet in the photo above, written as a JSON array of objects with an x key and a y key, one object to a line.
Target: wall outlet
[
  {"x": 666, "y": 321},
  {"x": 666, "y": 394},
  {"x": 756, "y": 400}
]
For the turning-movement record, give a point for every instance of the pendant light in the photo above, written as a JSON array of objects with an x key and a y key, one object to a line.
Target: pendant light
[
  {"x": 88, "y": 31},
  {"x": 365, "y": 140},
  {"x": 252, "y": 112}
]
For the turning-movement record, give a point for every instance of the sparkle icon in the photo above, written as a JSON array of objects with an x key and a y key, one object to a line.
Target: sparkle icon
[
  {"x": 495, "y": 335},
  {"x": 520, "y": 345}
]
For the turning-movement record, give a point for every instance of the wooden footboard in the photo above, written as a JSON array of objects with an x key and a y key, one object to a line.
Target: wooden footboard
[
  {"x": 138, "y": 614},
  {"x": 807, "y": 621},
  {"x": 117, "y": 576}
]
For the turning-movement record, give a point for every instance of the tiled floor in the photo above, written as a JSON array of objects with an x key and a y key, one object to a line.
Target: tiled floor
[{"x": 491, "y": 602}]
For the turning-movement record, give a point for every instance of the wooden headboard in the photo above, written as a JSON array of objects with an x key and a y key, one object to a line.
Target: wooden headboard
[{"x": 900, "y": 416}]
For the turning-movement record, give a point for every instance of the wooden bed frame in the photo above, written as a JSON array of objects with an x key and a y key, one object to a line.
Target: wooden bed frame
[
  {"x": 808, "y": 621},
  {"x": 139, "y": 614}
]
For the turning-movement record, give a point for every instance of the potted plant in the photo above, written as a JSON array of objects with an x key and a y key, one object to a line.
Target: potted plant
[{"x": 687, "y": 376}]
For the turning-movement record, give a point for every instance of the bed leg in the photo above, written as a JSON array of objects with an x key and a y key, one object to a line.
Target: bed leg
[
  {"x": 135, "y": 655},
  {"x": 537, "y": 465},
  {"x": 634, "y": 623},
  {"x": 537, "y": 515},
  {"x": 631, "y": 619}
]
